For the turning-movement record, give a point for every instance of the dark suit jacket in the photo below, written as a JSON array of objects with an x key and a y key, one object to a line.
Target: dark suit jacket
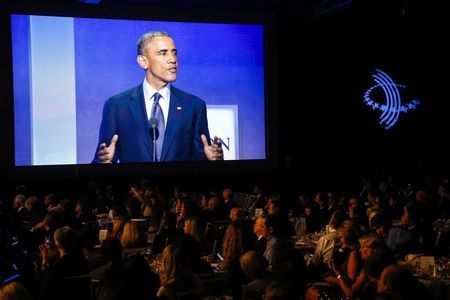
[
  {"x": 125, "y": 115},
  {"x": 53, "y": 286}
]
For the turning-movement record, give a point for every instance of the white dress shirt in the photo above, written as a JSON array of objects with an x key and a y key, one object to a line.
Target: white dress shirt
[{"x": 164, "y": 101}]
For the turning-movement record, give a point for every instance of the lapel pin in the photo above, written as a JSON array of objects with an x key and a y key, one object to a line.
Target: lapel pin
[{"x": 178, "y": 107}]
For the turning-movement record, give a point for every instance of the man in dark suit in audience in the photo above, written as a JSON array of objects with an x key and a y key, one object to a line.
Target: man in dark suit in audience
[
  {"x": 228, "y": 202},
  {"x": 71, "y": 262},
  {"x": 259, "y": 228}
]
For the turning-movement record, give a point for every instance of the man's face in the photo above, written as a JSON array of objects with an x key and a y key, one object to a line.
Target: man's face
[
  {"x": 308, "y": 211},
  {"x": 260, "y": 227},
  {"x": 47, "y": 200},
  {"x": 405, "y": 218},
  {"x": 234, "y": 213},
  {"x": 16, "y": 203},
  {"x": 353, "y": 204},
  {"x": 365, "y": 251},
  {"x": 160, "y": 61}
]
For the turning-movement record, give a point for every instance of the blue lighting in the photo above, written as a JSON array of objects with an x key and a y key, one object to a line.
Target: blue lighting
[
  {"x": 12, "y": 278},
  {"x": 393, "y": 107},
  {"x": 90, "y": 1}
]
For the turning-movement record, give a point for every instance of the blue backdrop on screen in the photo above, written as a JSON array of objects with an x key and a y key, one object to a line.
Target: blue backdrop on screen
[
  {"x": 221, "y": 63},
  {"x": 22, "y": 128}
]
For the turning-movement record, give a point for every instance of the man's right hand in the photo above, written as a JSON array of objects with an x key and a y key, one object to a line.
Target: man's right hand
[{"x": 106, "y": 154}]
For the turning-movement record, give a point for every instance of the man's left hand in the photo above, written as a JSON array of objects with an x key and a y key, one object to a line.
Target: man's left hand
[{"x": 214, "y": 151}]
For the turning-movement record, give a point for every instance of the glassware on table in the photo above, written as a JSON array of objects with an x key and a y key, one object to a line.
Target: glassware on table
[
  {"x": 147, "y": 254},
  {"x": 155, "y": 263},
  {"x": 442, "y": 268},
  {"x": 300, "y": 226}
]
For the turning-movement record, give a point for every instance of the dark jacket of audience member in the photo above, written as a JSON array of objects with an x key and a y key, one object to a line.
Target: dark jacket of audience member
[{"x": 71, "y": 263}]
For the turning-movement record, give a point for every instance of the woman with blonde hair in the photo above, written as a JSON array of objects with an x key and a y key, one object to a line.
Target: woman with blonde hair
[
  {"x": 118, "y": 225},
  {"x": 233, "y": 245},
  {"x": 369, "y": 243},
  {"x": 232, "y": 248},
  {"x": 132, "y": 235},
  {"x": 176, "y": 276},
  {"x": 345, "y": 265},
  {"x": 192, "y": 227},
  {"x": 14, "y": 291}
]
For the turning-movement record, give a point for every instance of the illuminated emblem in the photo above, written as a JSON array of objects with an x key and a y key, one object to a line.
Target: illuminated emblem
[{"x": 393, "y": 107}]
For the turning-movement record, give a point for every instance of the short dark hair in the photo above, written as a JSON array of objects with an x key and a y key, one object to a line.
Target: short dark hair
[
  {"x": 111, "y": 249},
  {"x": 274, "y": 221},
  {"x": 146, "y": 38},
  {"x": 67, "y": 239},
  {"x": 380, "y": 219},
  {"x": 376, "y": 263},
  {"x": 337, "y": 218},
  {"x": 276, "y": 290}
]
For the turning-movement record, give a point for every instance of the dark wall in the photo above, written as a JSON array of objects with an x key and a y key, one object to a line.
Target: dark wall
[{"x": 331, "y": 134}]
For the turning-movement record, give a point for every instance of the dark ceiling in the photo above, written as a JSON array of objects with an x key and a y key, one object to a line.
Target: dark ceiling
[{"x": 301, "y": 8}]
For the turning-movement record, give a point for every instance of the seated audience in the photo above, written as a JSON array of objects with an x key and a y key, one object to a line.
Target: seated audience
[
  {"x": 51, "y": 202},
  {"x": 22, "y": 214},
  {"x": 133, "y": 235},
  {"x": 412, "y": 220},
  {"x": 136, "y": 281},
  {"x": 323, "y": 251},
  {"x": 176, "y": 276},
  {"x": 401, "y": 281},
  {"x": 83, "y": 210},
  {"x": 14, "y": 291},
  {"x": 363, "y": 287},
  {"x": 346, "y": 264},
  {"x": 69, "y": 218},
  {"x": 397, "y": 238},
  {"x": 259, "y": 229},
  {"x": 213, "y": 211},
  {"x": 356, "y": 213},
  {"x": 234, "y": 245},
  {"x": 191, "y": 249},
  {"x": 168, "y": 231},
  {"x": 71, "y": 262},
  {"x": 279, "y": 248},
  {"x": 260, "y": 197},
  {"x": 228, "y": 202},
  {"x": 111, "y": 250},
  {"x": 192, "y": 226},
  {"x": 312, "y": 218},
  {"x": 254, "y": 267},
  {"x": 276, "y": 291}
]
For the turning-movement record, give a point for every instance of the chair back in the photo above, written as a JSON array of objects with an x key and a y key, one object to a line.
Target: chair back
[
  {"x": 171, "y": 240},
  {"x": 77, "y": 287},
  {"x": 214, "y": 283},
  {"x": 194, "y": 294}
]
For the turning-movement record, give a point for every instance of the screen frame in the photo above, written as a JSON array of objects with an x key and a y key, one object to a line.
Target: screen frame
[{"x": 153, "y": 13}]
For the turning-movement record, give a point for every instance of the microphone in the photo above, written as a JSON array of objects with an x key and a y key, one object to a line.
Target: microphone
[
  {"x": 154, "y": 134},
  {"x": 153, "y": 122},
  {"x": 153, "y": 130}
]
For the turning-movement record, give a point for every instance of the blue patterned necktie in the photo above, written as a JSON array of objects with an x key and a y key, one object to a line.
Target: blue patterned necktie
[{"x": 160, "y": 129}]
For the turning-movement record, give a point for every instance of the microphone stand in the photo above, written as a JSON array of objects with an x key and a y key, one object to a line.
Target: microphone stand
[
  {"x": 154, "y": 142},
  {"x": 154, "y": 122}
]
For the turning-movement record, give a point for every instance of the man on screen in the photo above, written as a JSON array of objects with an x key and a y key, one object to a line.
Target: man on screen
[{"x": 155, "y": 121}]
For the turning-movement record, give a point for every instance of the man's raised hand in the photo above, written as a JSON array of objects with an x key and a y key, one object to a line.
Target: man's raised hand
[
  {"x": 213, "y": 151},
  {"x": 106, "y": 153}
]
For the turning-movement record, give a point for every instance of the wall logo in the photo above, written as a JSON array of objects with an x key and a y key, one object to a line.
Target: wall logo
[{"x": 390, "y": 111}]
